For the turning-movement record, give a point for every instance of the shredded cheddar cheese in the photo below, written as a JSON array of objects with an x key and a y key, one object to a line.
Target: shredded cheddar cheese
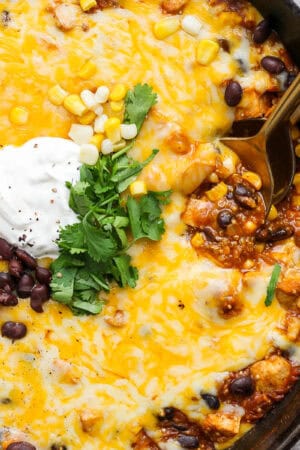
[{"x": 81, "y": 381}]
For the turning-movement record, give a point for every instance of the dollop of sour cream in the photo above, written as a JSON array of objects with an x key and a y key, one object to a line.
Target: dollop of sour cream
[{"x": 33, "y": 195}]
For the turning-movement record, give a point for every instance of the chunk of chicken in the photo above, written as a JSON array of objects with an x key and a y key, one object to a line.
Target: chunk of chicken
[
  {"x": 89, "y": 418},
  {"x": 173, "y": 6},
  {"x": 197, "y": 213},
  {"x": 271, "y": 375},
  {"x": 116, "y": 318},
  {"x": 194, "y": 175},
  {"x": 65, "y": 16},
  {"x": 225, "y": 424},
  {"x": 292, "y": 327}
]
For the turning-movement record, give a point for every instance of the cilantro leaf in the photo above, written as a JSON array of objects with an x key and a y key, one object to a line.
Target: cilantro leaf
[
  {"x": 128, "y": 170},
  {"x": 126, "y": 274},
  {"x": 71, "y": 238},
  {"x": 62, "y": 285},
  {"x": 138, "y": 103},
  {"x": 144, "y": 217},
  {"x": 272, "y": 284},
  {"x": 79, "y": 200},
  {"x": 101, "y": 246}
]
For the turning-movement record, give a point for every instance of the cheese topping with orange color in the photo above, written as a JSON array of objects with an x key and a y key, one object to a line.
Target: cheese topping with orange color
[{"x": 89, "y": 382}]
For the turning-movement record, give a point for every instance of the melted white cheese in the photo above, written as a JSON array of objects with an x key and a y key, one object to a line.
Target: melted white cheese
[{"x": 33, "y": 195}]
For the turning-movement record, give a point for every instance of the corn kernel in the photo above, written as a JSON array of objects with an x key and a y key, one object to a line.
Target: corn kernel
[
  {"x": 81, "y": 134},
  {"x": 97, "y": 140},
  {"x": 248, "y": 264},
  {"x": 98, "y": 110},
  {"x": 213, "y": 178},
  {"x": 119, "y": 145},
  {"x": 191, "y": 25},
  {"x": 88, "y": 154},
  {"x": 260, "y": 247},
  {"x": 87, "y": 118},
  {"x": 87, "y": 70},
  {"x": 166, "y": 27},
  {"x": 118, "y": 92},
  {"x": 250, "y": 227},
  {"x": 100, "y": 123},
  {"x": 295, "y": 132},
  {"x": 102, "y": 94},
  {"x": 273, "y": 213},
  {"x": 88, "y": 98},
  {"x": 138, "y": 188},
  {"x": 296, "y": 200},
  {"x": 128, "y": 131},
  {"x": 217, "y": 192},
  {"x": 197, "y": 240},
  {"x": 112, "y": 129},
  {"x": 207, "y": 51},
  {"x": 57, "y": 94},
  {"x": 75, "y": 105},
  {"x": 19, "y": 115},
  {"x": 116, "y": 106},
  {"x": 296, "y": 182},
  {"x": 107, "y": 147},
  {"x": 297, "y": 150},
  {"x": 254, "y": 179},
  {"x": 3, "y": 266},
  {"x": 87, "y": 4}
]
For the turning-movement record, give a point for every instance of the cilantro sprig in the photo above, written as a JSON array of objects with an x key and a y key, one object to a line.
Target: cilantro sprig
[
  {"x": 138, "y": 102},
  {"x": 272, "y": 284},
  {"x": 93, "y": 251}
]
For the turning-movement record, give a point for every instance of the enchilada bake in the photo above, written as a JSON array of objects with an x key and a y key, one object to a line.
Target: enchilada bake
[{"x": 146, "y": 300}]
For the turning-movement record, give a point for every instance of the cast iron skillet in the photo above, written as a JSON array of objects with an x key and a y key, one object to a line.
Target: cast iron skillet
[{"x": 280, "y": 429}]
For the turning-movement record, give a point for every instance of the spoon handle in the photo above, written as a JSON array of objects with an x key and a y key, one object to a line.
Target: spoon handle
[{"x": 284, "y": 109}]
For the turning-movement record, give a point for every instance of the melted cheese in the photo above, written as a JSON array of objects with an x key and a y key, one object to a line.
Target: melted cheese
[{"x": 166, "y": 354}]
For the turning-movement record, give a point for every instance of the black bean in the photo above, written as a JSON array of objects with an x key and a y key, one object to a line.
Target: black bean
[
  {"x": 262, "y": 31},
  {"x": 14, "y": 330},
  {"x": 6, "y": 250},
  {"x": 43, "y": 275},
  {"x": 26, "y": 259},
  {"x": 244, "y": 196},
  {"x": 25, "y": 285},
  {"x": 21, "y": 445},
  {"x": 211, "y": 400},
  {"x": 15, "y": 268},
  {"x": 58, "y": 447},
  {"x": 264, "y": 234},
  {"x": 233, "y": 93},
  {"x": 39, "y": 294},
  {"x": 280, "y": 233},
  {"x": 7, "y": 298},
  {"x": 242, "y": 386},
  {"x": 169, "y": 412},
  {"x": 224, "y": 218},
  {"x": 188, "y": 441},
  {"x": 210, "y": 234},
  {"x": 272, "y": 64},
  {"x": 6, "y": 280}
]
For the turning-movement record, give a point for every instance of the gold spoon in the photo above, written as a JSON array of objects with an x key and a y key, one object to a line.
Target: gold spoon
[{"x": 269, "y": 151}]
